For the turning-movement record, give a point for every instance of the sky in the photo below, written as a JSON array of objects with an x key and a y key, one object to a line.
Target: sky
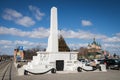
[{"x": 26, "y": 23}]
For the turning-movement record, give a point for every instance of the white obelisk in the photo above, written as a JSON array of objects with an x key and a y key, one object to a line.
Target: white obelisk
[{"x": 53, "y": 37}]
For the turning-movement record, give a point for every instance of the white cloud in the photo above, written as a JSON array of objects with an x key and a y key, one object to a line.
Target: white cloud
[
  {"x": 113, "y": 45},
  {"x": 5, "y": 42},
  {"x": 81, "y": 34},
  {"x": 25, "y": 21},
  {"x": 115, "y": 38},
  {"x": 7, "y": 46},
  {"x": 29, "y": 44},
  {"x": 18, "y": 18},
  {"x": 77, "y": 46},
  {"x": 10, "y": 14},
  {"x": 36, "y": 33},
  {"x": 43, "y": 32},
  {"x": 108, "y": 42},
  {"x": 118, "y": 34},
  {"x": 86, "y": 23},
  {"x": 40, "y": 33},
  {"x": 112, "y": 39},
  {"x": 36, "y": 12},
  {"x": 8, "y": 43},
  {"x": 26, "y": 43},
  {"x": 13, "y": 31}
]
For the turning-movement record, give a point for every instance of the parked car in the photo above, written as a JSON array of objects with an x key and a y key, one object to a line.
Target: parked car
[
  {"x": 112, "y": 63},
  {"x": 93, "y": 64}
]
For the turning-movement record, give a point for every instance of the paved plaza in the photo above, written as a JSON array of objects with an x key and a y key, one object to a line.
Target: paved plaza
[{"x": 109, "y": 75}]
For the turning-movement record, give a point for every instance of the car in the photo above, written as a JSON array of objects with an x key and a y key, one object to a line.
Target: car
[
  {"x": 82, "y": 60},
  {"x": 112, "y": 63}
]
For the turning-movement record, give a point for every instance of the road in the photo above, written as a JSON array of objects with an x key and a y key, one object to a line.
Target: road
[{"x": 5, "y": 70}]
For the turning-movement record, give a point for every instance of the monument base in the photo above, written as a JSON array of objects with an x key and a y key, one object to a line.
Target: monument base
[
  {"x": 56, "y": 61},
  {"x": 46, "y": 61}
]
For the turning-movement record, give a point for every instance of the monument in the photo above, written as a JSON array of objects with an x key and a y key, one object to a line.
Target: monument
[
  {"x": 52, "y": 60},
  {"x": 53, "y": 38}
]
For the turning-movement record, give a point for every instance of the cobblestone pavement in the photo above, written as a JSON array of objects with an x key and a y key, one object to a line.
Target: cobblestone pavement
[{"x": 109, "y": 75}]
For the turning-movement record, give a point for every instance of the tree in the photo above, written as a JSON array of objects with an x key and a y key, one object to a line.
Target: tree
[
  {"x": 29, "y": 53},
  {"x": 82, "y": 52},
  {"x": 114, "y": 55}
]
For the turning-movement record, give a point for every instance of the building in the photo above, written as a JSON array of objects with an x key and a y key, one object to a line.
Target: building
[
  {"x": 18, "y": 53},
  {"x": 94, "y": 49},
  {"x": 94, "y": 46}
]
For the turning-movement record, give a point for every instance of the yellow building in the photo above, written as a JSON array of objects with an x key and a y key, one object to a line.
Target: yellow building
[
  {"x": 94, "y": 46},
  {"x": 94, "y": 49}
]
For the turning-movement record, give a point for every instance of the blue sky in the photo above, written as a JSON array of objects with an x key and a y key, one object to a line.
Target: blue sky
[{"x": 26, "y": 22}]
